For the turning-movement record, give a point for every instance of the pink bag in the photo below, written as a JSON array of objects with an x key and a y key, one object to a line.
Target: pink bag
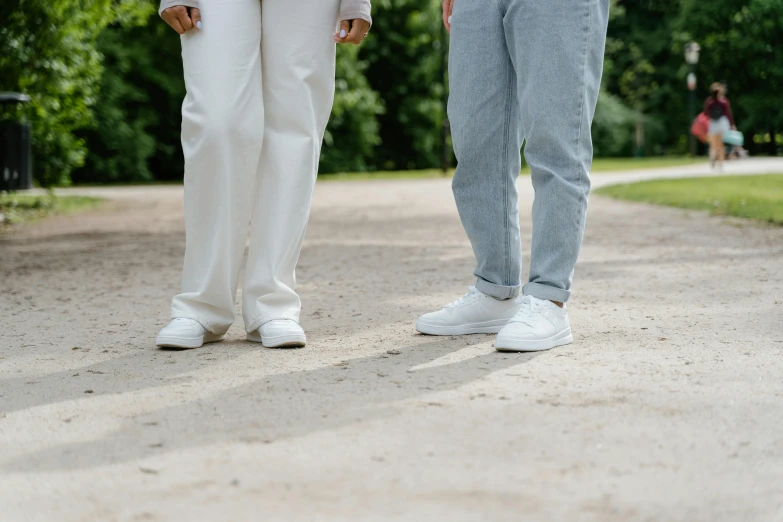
[{"x": 700, "y": 126}]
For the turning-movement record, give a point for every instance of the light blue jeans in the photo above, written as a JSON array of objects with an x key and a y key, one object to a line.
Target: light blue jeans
[{"x": 524, "y": 70}]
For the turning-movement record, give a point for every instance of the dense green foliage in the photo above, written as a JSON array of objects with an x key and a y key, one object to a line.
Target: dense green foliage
[
  {"x": 404, "y": 56},
  {"x": 48, "y": 50},
  {"x": 641, "y": 71},
  {"x": 137, "y": 123},
  {"x": 353, "y": 131},
  {"x": 757, "y": 197},
  {"x": 106, "y": 81}
]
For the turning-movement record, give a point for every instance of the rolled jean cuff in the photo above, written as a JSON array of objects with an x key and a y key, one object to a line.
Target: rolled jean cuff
[
  {"x": 546, "y": 292},
  {"x": 496, "y": 291}
]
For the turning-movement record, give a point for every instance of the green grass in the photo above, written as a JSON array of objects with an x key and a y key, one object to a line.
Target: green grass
[
  {"x": 24, "y": 208},
  {"x": 385, "y": 174},
  {"x": 618, "y": 164},
  {"x": 599, "y": 165},
  {"x": 756, "y": 197}
]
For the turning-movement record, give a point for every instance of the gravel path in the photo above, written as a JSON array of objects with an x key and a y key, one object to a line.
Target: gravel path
[{"x": 669, "y": 405}]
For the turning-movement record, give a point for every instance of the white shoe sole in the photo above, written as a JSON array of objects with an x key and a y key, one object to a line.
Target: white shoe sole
[
  {"x": 509, "y": 344},
  {"x": 281, "y": 341},
  {"x": 487, "y": 327},
  {"x": 170, "y": 341}
]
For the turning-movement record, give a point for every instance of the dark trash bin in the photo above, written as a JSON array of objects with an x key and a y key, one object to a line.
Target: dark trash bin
[{"x": 16, "y": 162}]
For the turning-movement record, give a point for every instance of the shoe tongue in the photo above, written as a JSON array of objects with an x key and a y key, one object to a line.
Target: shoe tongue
[{"x": 545, "y": 303}]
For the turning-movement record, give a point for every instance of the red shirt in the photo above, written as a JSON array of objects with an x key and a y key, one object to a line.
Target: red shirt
[{"x": 724, "y": 105}]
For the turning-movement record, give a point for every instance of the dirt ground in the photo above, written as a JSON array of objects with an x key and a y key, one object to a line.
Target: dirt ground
[{"x": 668, "y": 406}]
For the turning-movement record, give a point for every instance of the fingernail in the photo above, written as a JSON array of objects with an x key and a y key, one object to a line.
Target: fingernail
[
  {"x": 198, "y": 24},
  {"x": 342, "y": 33},
  {"x": 449, "y": 19}
]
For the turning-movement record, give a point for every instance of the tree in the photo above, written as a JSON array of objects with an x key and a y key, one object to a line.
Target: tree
[
  {"x": 404, "y": 57},
  {"x": 135, "y": 135},
  {"x": 352, "y": 134},
  {"x": 644, "y": 74},
  {"x": 47, "y": 50},
  {"x": 613, "y": 127}
]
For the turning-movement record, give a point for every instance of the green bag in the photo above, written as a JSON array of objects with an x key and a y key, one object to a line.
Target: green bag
[{"x": 733, "y": 137}]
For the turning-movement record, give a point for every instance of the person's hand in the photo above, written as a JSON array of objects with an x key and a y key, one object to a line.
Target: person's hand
[
  {"x": 733, "y": 127},
  {"x": 448, "y": 7},
  {"x": 182, "y": 19},
  {"x": 352, "y": 31}
]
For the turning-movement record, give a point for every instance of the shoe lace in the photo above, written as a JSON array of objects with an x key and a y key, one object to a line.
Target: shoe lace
[
  {"x": 471, "y": 295},
  {"x": 527, "y": 312}
]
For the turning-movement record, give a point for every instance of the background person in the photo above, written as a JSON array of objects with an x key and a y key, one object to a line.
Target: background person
[{"x": 718, "y": 110}]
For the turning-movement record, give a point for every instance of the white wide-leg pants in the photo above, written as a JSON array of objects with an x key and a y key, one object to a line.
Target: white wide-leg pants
[{"x": 260, "y": 87}]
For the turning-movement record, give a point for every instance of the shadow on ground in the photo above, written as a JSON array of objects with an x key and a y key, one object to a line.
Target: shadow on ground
[{"x": 276, "y": 407}]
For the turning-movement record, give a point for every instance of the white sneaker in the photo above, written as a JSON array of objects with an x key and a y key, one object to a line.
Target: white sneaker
[
  {"x": 474, "y": 313},
  {"x": 279, "y": 333},
  {"x": 539, "y": 325},
  {"x": 185, "y": 333}
]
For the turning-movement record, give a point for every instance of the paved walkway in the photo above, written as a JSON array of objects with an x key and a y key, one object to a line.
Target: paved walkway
[{"x": 667, "y": 407}]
